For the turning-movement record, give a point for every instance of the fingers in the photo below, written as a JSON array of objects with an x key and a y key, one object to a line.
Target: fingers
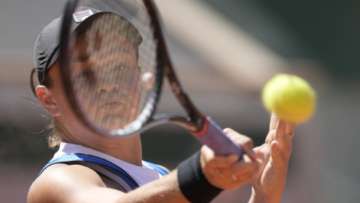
[
  {"x": 284, "y": 130},
  {"x": 212, "y": 160},
  {"x": 239, "y": 139},
  {"x": 284, "y": 135},
  {"x": 279, "y": 156},
  {"x": 244, "y": 172},
  {"x": 262, "y": 153},
  {"x": 245, "y": 142},
  {"x": 273, "y": 122},
  {"x": 270, "y": 136},
  {"x": 280, "y": 131},
  {"x": 278, "y": 127},
  {"x": 227, "y": 171},
  {"x": 281, "y": 146},
  {"x": 278, "y": 142},
  {"x": 244, "y": 167},
  {"x": 289, "y": 129}
]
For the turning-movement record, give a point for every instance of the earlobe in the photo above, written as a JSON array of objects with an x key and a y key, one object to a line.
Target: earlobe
[{"x": 47, "y": 99}]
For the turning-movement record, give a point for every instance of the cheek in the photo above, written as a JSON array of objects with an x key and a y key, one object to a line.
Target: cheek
[
  {"x": 62, "y": 103},
  {"x": 76, "y": 131},
  {"x": 60, "y": 96}
]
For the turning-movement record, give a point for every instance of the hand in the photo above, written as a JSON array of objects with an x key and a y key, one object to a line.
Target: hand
[
  {"x": 227, "y": 172},
  {"x": 274, "y": 154}
]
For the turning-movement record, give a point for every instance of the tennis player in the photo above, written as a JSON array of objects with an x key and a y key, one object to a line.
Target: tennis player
[{"x": 89, "y": 167}]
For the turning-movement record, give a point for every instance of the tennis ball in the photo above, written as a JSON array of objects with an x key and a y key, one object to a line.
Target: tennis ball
[{"x": 290, "y": 97}]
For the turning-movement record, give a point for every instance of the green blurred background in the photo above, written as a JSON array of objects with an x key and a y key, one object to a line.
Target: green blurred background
[{"x": 224, "y": 51}]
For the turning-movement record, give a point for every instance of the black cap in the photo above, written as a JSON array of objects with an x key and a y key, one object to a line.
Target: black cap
[{"x": 46, "y": 45}]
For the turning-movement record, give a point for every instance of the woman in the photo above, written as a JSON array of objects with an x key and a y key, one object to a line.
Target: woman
[{"x": 89, "y": 167}]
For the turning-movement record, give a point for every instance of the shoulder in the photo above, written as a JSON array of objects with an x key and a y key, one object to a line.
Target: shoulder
[{"x": 60, "y": 181}]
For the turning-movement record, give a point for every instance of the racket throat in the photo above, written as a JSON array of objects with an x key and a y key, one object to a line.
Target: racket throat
[{"x": 202, "y": 127}]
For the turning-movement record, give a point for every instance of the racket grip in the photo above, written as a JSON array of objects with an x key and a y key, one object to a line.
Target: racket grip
[{"x": 213, "y": 136}]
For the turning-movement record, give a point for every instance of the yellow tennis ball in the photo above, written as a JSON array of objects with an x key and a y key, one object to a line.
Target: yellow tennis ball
[{"x": 290, "y": 97}]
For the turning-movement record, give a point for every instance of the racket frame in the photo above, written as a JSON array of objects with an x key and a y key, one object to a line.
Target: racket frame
[
  {"x": 202, "y": 127},
  {"x": 145, "y": 117}
]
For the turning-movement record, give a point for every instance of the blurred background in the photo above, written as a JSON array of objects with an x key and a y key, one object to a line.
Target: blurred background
[{"x": 224, "y": 51}]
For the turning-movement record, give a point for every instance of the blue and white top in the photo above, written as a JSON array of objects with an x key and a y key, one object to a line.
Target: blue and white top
[{"x": 127, "y": 175}]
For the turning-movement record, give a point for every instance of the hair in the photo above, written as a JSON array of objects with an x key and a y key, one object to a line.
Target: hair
[{"x": 53, "y": 138}]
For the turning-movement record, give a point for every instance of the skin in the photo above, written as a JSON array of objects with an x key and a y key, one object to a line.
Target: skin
[
  {"x": 76, "y": 183},
  {"x": 265, "y": 167},
  {"x": 275, "y": 153},
  {"x": 111, "y": 104}
]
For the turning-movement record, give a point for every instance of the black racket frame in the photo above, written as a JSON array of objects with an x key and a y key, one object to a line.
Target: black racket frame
[{"x": 147, "y": 118}]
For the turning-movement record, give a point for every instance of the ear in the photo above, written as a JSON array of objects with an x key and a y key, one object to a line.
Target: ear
[{"x": 47, "y": 99}]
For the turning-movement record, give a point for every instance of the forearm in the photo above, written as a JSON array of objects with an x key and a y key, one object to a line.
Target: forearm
[
  {"x": 186, "y": 184},
  {"x": 165, "y": 190}
]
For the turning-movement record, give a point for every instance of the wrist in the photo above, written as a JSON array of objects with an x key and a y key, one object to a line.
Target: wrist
[{"x": 193, "y": 183}]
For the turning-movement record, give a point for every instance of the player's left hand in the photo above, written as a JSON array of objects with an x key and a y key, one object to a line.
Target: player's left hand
[{"x": 274, "y": 154}]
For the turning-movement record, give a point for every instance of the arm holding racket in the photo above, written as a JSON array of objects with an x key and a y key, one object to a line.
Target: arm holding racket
[{"x": 76, "y": 183}]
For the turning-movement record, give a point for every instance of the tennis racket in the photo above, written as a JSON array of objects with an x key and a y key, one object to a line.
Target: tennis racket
[{"x": 114, "y": 59}]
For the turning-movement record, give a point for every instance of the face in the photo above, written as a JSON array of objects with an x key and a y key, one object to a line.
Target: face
[
  {"x": 107, "y": 80},
  {"x": 106, "y": 84}
]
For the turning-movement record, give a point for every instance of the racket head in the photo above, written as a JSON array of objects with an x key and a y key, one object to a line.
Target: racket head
[{"x": 111, "y": 64}]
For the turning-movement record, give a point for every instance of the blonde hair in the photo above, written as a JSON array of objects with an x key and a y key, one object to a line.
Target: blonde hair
[{"x": 54, "y": 138}]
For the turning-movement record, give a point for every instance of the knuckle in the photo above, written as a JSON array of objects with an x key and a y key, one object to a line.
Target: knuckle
[{"x": 247, "y": 142}]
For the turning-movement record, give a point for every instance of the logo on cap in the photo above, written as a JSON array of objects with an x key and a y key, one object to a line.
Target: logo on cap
[{"x": 81, "y": 15}]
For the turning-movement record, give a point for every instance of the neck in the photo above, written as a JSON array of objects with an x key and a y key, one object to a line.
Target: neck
[{"x": 127, "y": 149}]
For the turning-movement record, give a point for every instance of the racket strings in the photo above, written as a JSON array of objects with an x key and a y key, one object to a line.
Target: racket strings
[{"x": 108, "y": 86}]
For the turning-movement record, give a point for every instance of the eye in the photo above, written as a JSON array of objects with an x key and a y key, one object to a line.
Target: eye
[
  {"x": 83, "y": 57},
  {"x": 88, "y": 76}
]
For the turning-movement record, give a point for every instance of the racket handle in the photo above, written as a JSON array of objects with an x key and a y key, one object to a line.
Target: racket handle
[{"x": 213, "y": 136}]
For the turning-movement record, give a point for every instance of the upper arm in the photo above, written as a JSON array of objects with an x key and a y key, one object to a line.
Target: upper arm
[
  {"x": 79, "y": 184},
  {"x": 62, "y": 183}
]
